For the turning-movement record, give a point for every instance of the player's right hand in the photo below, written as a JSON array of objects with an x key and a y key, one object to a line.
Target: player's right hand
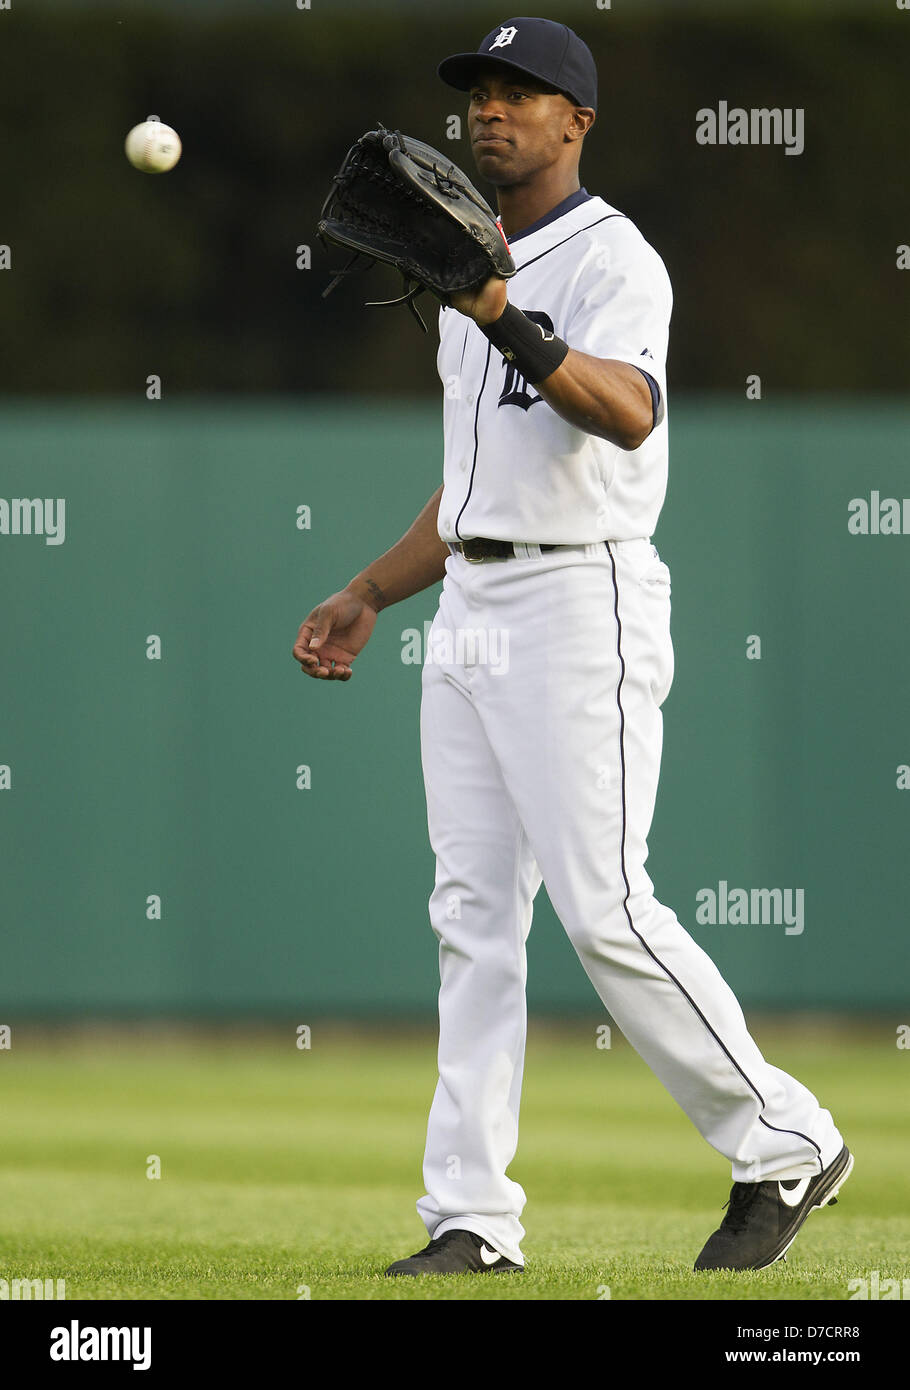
[
  {"x": 485, "y": 304},
  {"x": 332, "y": 635}
]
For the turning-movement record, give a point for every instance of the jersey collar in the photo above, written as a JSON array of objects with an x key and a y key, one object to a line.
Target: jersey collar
[{"x": 574, "y": 200}]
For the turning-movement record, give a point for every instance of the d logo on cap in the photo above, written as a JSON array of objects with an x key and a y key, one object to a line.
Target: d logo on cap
[{"x": 503, "y": 38}]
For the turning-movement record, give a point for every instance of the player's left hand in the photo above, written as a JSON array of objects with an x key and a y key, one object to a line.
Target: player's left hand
[{"x": 483, "y": 305}]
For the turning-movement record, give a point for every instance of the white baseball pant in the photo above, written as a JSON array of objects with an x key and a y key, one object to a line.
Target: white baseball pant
[{"x": 541, "y": 739}]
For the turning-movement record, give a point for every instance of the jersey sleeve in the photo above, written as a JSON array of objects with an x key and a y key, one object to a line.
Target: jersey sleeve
[{"x": 622, "y": 304}]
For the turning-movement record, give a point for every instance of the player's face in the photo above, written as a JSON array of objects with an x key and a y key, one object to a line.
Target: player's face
[{"x": 518, "y": 127}]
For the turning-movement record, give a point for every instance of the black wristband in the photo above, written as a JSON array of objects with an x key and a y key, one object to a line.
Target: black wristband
[{"x": 528, "y": 346}]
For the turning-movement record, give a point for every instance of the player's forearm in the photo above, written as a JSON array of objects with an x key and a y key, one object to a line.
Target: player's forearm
[
  {"x": 601, "y": 396},
  {"x": 413, "y": 563}
]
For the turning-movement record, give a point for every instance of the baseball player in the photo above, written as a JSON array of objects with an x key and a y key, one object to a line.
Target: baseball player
[{"x": 544, "y": 767}]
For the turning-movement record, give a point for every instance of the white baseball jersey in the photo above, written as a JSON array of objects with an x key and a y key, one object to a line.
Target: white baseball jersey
[{"x": 515, "y": 470}]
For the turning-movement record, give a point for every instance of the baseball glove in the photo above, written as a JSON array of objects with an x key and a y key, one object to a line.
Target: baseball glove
[{"x": 397, "y": 200}]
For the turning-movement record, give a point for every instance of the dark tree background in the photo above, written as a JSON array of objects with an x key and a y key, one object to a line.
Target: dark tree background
[{"x": 193, "y": 275}]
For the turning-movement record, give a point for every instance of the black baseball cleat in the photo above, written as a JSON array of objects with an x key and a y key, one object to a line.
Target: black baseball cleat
[
  {"x": 455, "y": 1252},
  {"x": 763, "y": 1218}
]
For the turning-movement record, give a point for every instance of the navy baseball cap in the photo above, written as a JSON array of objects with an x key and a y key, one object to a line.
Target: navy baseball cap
[{"x": 540, "y": 48}]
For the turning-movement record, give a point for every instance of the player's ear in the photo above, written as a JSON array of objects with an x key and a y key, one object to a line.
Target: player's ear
[{"x": 581, "y": 119}]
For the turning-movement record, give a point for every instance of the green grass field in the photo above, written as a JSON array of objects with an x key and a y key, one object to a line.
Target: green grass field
[{"x": 288, "y": 1174}]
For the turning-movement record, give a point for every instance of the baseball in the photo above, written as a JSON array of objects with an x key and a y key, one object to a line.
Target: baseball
[{"x": 153, "y": 147}]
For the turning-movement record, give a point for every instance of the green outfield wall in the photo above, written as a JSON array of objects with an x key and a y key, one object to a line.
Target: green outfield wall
[{"x": 188, "y": 825}]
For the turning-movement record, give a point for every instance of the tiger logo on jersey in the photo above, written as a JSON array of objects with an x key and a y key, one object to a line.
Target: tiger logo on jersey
[{"x": 516, "y": 390}]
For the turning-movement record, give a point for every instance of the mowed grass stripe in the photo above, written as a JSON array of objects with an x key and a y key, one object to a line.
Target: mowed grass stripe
[{"x": 283, "y": 1168}]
